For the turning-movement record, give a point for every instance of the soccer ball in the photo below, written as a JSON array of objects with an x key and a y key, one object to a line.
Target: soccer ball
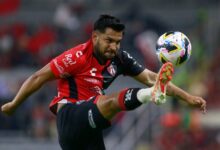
[{"x": 174, "y": 47}]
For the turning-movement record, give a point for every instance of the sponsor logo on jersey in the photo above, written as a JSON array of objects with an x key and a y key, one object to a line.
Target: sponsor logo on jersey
[
  {"x": 67, "y": 61},
  {"x": 92, "y": 80},
  {"x": 111, "y": 70},
  {"x": 91, "y": 119}
]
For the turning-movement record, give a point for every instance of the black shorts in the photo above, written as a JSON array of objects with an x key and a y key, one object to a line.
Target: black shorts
[{"x": 80, "y": 126}]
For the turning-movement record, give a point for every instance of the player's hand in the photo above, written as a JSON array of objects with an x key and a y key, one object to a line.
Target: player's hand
[
  {"x": 198, "y": 102},
  {"x": 8, "y": 108}
]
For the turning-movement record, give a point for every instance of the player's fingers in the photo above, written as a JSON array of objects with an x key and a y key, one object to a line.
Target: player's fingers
[
  {"x": 201, "y": 103},
  {"x": 204, "y": 110},
  {"x": 203, "y": 107},
  {"x": 3, "y": 107},
  {"x": 6, "y": 109}
]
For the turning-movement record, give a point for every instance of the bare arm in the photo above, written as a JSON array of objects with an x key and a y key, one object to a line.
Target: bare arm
[
  {"x": 31, "y": 84},
  {"x": 148, "y": 77}
]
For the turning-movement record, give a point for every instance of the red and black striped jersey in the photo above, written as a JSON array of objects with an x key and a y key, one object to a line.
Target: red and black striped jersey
[{"x": 80, "y": 76}]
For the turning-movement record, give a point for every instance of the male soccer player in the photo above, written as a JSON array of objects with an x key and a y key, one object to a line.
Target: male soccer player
[{"x": 83, "y": 72}]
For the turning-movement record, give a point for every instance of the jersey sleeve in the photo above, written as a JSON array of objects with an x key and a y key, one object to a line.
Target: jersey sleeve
[
  {"x": 66, "y": 64},
  {"x": 130, "y": 65}
]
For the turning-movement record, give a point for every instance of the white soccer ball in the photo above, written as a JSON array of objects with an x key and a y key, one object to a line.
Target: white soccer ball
[{"x": 174, "y": 47}]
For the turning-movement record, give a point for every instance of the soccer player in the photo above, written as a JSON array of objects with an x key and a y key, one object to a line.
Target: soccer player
[{"x": 83, "y": 72}]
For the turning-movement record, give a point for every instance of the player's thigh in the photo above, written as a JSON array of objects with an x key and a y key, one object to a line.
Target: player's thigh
[
  {"x": 80, "y": 122},
  {"x": 96, "y": 143}
]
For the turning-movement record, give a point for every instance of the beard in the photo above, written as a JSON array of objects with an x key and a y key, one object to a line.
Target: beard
[{"x": 103, "y": 55}]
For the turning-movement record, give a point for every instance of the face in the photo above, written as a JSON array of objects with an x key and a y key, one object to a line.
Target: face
[{"x": 106, "y": 44}]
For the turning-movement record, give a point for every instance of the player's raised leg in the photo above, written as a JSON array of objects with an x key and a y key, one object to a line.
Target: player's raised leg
[{"x": 131, "y": 98}]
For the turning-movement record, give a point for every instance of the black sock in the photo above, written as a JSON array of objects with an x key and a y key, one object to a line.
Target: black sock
[{"x": 128, "y": 99}]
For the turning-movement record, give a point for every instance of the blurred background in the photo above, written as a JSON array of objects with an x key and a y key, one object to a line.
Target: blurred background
[{"x": 32, "y": 32}]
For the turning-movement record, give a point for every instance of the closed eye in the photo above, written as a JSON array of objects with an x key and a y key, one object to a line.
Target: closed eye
[{"x": 108, "y": 40}]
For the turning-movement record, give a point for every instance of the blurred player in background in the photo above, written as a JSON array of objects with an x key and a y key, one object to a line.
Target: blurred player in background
[{"x": 83, "y": 72}]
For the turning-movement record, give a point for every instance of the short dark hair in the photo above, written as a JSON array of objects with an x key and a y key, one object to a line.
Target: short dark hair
[{"x": 106, "y": 21}]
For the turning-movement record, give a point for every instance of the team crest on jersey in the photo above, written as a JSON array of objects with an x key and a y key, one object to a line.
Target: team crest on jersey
[{"x": 111, "y": 70}]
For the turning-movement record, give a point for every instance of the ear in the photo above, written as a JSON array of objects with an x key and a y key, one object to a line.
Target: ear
[{"x": 94, "y": 36}]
